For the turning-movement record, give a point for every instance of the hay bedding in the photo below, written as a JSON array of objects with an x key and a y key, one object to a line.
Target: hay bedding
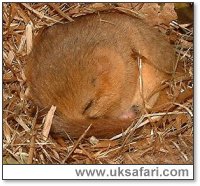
[{"x": 165, "y": 136}]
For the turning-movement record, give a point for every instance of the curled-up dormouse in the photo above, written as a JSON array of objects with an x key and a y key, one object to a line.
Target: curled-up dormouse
[{"x": 91, "y": 70}]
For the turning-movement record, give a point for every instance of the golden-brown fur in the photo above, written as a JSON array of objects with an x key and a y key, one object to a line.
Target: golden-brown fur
[{"x": 88, "y": 69}]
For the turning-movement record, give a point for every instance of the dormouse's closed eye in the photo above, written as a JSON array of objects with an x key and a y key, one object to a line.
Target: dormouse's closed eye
[{"x": 87, "y": 106}]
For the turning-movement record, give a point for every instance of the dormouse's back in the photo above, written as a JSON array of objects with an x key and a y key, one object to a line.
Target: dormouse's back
[{"x": 121, "y": 32}]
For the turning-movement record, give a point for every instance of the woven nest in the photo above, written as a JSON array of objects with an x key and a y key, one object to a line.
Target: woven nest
[{"x": 162, "y": 137}]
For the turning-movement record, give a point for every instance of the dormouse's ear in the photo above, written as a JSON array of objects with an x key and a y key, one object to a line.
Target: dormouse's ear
[{"x": 165, "y": 65}]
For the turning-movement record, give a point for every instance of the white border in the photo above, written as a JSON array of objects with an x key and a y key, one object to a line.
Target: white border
[{"x": 118, "y": 172}]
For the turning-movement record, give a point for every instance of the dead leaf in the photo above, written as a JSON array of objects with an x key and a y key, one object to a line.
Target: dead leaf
[
  {"x": 29, "y": 37},
  {"x": 7, "y": 131},
  {"x": 180, "y": 120},
  {"x": 186, "y": 44},
  {"x": 156, "y": 14},
  {"x": 93, "y": 140},
  {"x": 97, "y": 5},
  {"x": 167, "y": 14},
  {"x": 48, "y": 122},
  {"x": 23, "y": 124},
  {"x": 10, "y": 58},
  {"x": 22, "y": 44},
  {"x": 105, "y": 144}
]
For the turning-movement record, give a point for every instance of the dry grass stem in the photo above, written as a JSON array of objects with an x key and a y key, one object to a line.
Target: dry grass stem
[
  {"x": 48, "y": 122},
  {"x": 77, "y": 143}
]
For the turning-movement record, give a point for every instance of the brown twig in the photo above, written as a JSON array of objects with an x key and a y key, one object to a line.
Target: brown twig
[{"x": 76, "y": 144}]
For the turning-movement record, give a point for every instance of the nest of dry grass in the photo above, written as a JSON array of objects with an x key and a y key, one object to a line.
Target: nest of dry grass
[{"x": 161, "y": 137}]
